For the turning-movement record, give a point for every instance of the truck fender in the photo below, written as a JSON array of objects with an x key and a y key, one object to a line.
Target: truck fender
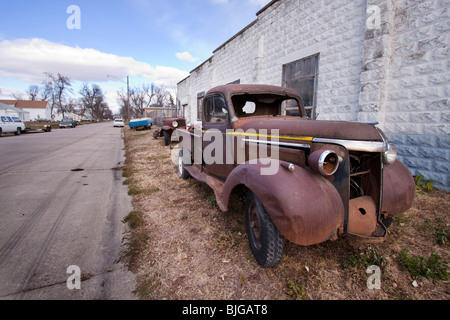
[
  {"x": 303, "y": 205},
  {"x": 398, "y": 188}
]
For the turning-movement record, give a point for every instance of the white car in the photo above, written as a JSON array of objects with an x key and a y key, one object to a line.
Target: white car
[
  {"x": 118, "y": 123},
  {"x": 11, "y": 124}
]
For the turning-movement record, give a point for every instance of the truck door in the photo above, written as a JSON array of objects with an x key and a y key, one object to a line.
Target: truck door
[{"x": 215, "y": 123}]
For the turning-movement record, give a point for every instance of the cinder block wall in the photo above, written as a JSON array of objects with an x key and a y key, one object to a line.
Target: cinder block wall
[{"x": 405, "y": 83}]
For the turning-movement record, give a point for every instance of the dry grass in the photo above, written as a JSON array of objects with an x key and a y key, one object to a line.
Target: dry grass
[{"x": 194, "y": 251}]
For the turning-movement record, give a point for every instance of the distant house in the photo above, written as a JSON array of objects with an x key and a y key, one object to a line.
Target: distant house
[
  {"x": 34, "y": 110},
  {"x": 9, "y": 110}
]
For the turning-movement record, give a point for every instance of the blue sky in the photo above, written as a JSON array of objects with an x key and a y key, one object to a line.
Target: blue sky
[{"x": 149, "y": 40}]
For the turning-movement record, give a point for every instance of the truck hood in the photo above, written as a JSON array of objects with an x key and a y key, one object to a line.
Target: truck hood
[{"x": 295, "y": 127}]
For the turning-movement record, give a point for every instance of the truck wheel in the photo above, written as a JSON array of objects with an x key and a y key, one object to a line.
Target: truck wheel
[
  {"x": 266, "y": 242},
  {"x": 18, "y": 132},
  {"x": 182, "y": 172},
  {"x": 166, "y": 138}
]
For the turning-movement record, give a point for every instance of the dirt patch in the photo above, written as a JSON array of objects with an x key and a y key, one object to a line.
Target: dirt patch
[{"x": 194, "y": 251}]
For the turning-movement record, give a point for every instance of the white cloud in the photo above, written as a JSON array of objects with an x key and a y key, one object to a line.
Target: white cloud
[
  {"x": 7, "y": 93},
  {"x": 219, "y": 1},
  {"x": 28, "y": 59},
  {"x": 186, "y": 56}
]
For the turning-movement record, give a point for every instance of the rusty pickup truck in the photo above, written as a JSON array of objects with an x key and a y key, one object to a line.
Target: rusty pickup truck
[
  {"x": 306, "y": 181},
  {"x": 169, "y": 125}
]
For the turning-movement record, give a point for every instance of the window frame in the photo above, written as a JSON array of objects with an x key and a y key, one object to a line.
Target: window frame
[
  {"x": 214, "y": 96},
  {"x": 200, "y": 98},
  {"x": 314, "y": 75}
]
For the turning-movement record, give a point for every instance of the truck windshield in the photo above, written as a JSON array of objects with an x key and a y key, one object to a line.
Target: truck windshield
[{"x": 264, "y": 105}]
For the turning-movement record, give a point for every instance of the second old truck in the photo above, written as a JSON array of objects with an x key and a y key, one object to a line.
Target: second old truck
[{"x": 306, "y": 181}]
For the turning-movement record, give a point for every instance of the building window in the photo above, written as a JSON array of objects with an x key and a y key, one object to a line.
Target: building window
[
  {"x": 200, "y": 97},
  {"x": 301, "y": 75}
]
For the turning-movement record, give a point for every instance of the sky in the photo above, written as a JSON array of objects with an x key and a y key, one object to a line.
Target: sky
[{"x": 151, "y": 41}]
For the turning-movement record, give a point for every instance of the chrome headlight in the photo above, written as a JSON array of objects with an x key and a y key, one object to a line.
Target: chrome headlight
[
  {"x": 390, "y": 155},
  {"x": 175, "y": 124},
  {"x": 326, "y": 162}
]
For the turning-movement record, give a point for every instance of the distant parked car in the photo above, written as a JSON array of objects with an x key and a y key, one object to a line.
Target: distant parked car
[
  {"x": 11, "y": 124},
  {"x": 118, "y": 123},
  {"x": 67, "y": 123}
]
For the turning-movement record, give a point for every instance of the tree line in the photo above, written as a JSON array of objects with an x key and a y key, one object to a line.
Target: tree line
[{"x": 57, "y": 89}]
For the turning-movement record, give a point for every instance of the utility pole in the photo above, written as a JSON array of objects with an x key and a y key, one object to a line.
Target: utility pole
[
  {"x": 128, "y": 98},
  {"x": 128, "y": 93}
]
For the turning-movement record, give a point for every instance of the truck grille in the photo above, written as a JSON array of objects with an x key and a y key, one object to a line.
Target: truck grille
[{"x": 365, "y": 175}]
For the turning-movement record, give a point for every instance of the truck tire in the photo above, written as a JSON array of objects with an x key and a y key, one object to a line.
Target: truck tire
[
  {"x": 182, "y": 172},
  {"x": 166, "y": 138},
  {"x": 266, "y": 242},
  {"x": 18, "y": 132}
]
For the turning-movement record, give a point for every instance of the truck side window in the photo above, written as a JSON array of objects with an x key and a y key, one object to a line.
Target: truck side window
[{"x": 216, "y": 110}]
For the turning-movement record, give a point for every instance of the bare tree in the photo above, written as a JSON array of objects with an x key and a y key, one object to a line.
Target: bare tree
[
  {"x": 122, "y": 100},
  {"x": 60, "y": 85},
  {"x": 140, "y": 98},
  {"x": 46, "y": 91},
  {"x": 17, "y": 96},
  {"x": 161, "y": 96},
  {"x": 33, "y": 92},
  {"x": 143, "y": 97},
  {"x": 93, "y": 100},
  {"x": 171, "y": 101}
]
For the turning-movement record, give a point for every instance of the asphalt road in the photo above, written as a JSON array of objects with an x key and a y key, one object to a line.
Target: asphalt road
[{"x": 61, "y": 205}]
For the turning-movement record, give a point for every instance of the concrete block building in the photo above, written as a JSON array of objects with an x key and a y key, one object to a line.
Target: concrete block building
[{"x": 355, "y": 60}]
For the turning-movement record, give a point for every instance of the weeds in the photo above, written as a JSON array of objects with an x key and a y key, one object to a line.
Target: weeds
[
  {"x": 132, "y": 191},
  {"x": 134, "y": 219},
  {"x": 148, "y": 286},
  {"x": 136, "y": 239},
  {"x": 296, "y": 290},
  {"x": 127, "y": 181},
  {"x": 227, "y": 239},
  {"x": 364, "y": 258},
  {"x": 420, "y": 266},
  {"x": 442, "y": 236},
  {"x": 423, "y": 185},
  {"x": 127, "y": 172},
  {"x": 438, "y": 227}
]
